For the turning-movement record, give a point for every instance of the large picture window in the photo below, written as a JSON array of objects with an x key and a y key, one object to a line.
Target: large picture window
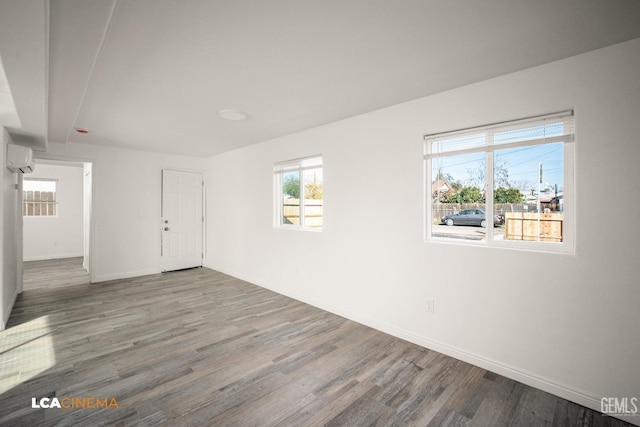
[
  {"x": 508, "y": 184},
  {"x": 298, "y": 193}
]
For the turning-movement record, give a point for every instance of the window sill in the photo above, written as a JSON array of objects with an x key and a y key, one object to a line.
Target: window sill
[
  {"x": 542, "y": 247},
  {"x": 297, "y": 228}
]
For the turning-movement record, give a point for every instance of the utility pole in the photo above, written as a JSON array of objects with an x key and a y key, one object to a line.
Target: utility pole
[{"x": 539, "y": 204}]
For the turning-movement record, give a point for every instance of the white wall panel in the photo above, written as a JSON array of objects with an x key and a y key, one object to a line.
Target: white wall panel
[
  {"x": 126, "y": 205},
  {"x": 9, "y": 262},
  {"x": 564, "y": 323}
]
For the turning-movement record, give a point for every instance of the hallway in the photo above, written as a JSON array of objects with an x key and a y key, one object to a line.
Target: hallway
[{"x": 54, "y": 273}]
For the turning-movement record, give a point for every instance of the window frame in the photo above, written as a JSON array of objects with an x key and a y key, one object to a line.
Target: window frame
[
  {"x": 299, "y": 165},
  {"x": 53, "y": 202},
  {"x": 568, "y": 140}
]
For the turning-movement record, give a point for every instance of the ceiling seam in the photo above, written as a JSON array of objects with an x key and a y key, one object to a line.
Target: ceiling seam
[
  {"x": 47, "y": 37},
  {"x": 93, "y": 66}
]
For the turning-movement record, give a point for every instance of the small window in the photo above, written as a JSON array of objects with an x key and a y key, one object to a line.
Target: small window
[
  {"x": 39, "y": 197},
  {"x": 509, "y": 184},
  {"x": 298, "y": 193}
]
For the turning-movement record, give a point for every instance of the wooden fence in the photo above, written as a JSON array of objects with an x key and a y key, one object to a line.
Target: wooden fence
[
  {"x": 312, "y": 212},
  {"x": 545, "y": 227},
  {"x": 38, "y": 203},
  {"x": 521, "y": 220},
  {"x": 442, "y": 209}
]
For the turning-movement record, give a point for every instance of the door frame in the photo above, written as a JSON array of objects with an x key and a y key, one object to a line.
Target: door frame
[{"x": 91, "y": 208}]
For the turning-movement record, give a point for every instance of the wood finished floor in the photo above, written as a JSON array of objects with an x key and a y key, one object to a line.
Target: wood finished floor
[
  {"x": 54, "y": 273},
  {"x": 201, "y": 348}
]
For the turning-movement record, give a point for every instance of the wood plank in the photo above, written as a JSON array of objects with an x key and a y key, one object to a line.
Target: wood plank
[{"x": 198, "y": 347}]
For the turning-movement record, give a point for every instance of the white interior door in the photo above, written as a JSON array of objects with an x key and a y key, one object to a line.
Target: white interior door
[{"x": 182, "y": 220}]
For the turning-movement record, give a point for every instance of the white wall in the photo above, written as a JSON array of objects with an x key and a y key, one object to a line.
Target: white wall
[
  {"x": 573, "y": 332},
  {"x": 126, "y": 205},
  {"x": 59, "y": 236},
  {"x": 8, "y": 219}
]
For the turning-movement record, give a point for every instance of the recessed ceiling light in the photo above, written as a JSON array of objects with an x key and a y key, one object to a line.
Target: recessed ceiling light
[
  {"x": 233, "y": 114},
  {"x": 80, "y": 130}
]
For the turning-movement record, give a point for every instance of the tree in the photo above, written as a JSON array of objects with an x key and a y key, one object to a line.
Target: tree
[
  {"x": 467, "y": 195},
  {"x": 477, "y": 175},
  {"x": 313, "y": 191},
  {"x": 507, "y": 195},
  {"x": 500, "y": 174},
  {"x": 291, "y": 187},
  {"x": 440, "y": 176}
]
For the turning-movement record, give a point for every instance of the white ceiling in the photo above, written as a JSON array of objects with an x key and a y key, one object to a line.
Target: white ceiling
[
  {"x": 8, "y": 113},
  {"x": 152, "y": 74},
  {"x": 23, "y": 50}
]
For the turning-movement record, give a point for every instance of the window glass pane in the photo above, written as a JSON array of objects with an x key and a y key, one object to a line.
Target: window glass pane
[
  {"x": 523, "y": 163},
  {"x": 528, "y": 192},
  {"x": 291, "y": 198},
  {"x": 39, "y": 197},
  {"x": 313, "y": 198},
  {"x": 458, "y": 196},
  {"x": 39, "y": 185},
  {"x": 300, "y": 193}
]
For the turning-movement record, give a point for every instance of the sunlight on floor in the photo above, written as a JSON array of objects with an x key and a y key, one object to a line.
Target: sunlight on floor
[{"x": 25, "y": 351}]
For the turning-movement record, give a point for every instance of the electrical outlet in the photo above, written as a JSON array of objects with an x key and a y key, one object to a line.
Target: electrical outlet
[{"x": 430, "y": 306}]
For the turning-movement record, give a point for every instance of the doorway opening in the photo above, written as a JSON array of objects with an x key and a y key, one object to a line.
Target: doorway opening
[{"x": 56, "y": 224}]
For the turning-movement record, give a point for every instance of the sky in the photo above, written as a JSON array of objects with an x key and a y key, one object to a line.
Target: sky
[{"x": 521, "y": 164}]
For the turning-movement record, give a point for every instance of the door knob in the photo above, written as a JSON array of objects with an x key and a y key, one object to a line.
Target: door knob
[
  {"x": 166, "y": 221},
  {"x": 166, "y": 229}
]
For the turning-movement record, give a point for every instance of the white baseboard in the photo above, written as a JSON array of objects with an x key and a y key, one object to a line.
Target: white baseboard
[
  {"x": 54, "y": 256},
  {"x": 123, "y": 275},
  {"x": 564, "y": 391},
  {"x": 7, "y": 311}
]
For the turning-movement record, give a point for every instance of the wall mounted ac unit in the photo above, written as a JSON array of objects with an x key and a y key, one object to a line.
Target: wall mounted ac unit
[{"x": 19, "y": 158}]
